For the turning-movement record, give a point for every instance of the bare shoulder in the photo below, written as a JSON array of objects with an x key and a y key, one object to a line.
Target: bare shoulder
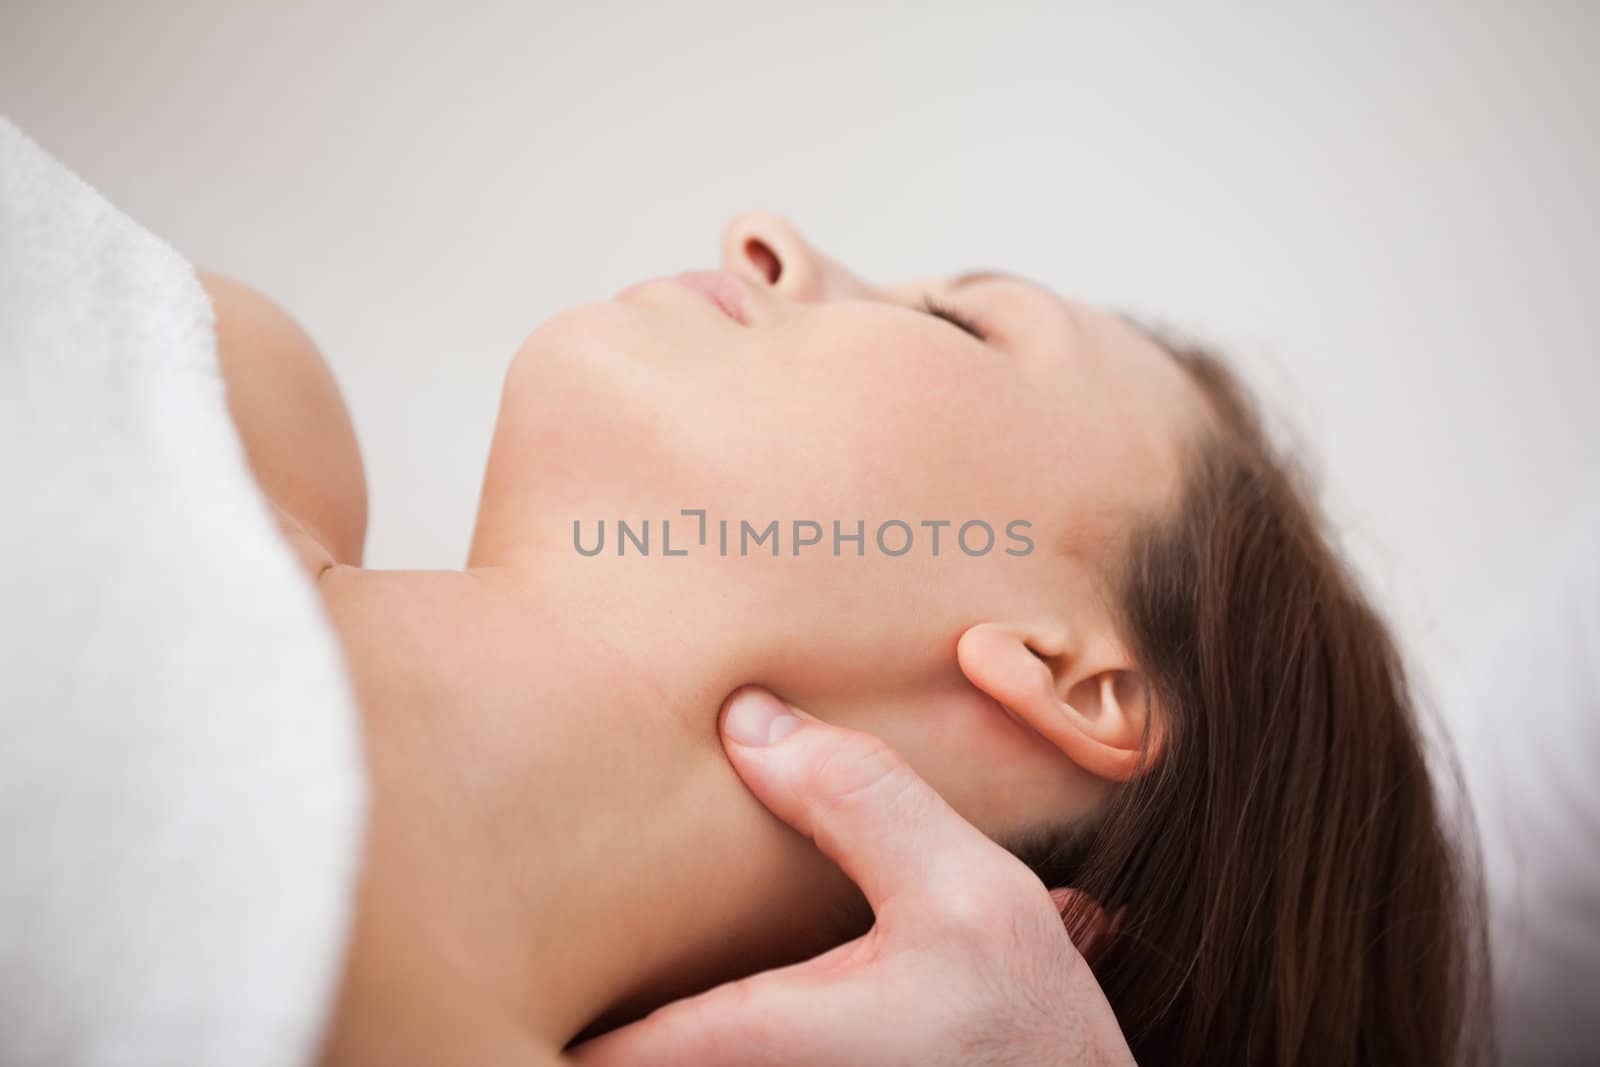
[{"x": 297, "y": 432}]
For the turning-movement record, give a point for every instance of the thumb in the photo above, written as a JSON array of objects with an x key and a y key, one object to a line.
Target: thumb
[{"x": 862, "y": 805}]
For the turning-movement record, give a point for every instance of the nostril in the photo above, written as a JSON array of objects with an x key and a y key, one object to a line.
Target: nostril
[{"x": 766, "y": 261}]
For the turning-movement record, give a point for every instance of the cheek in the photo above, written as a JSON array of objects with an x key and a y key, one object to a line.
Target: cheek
[
  {"x": 622, "y": 395},
  {"x": 837, "y": 419},
  {"x": 883, "y": 419}
]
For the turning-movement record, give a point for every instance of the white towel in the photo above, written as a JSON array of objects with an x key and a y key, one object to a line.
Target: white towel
[{"x": 181, "y": 789}]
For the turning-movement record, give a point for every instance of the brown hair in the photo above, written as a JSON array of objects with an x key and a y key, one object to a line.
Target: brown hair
[{"x": 1286, "y": 884}]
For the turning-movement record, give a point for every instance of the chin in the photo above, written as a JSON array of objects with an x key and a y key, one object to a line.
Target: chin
[{"x": 591, "y": 332}]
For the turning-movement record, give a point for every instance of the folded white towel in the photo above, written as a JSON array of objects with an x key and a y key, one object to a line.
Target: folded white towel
[{"x": 181, "y": 791}]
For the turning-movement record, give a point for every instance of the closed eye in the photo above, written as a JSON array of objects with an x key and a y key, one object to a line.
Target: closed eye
[{"x": 953, "y": 317}]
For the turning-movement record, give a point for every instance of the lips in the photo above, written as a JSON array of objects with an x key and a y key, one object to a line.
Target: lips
[{"x": 717, "y": 287}]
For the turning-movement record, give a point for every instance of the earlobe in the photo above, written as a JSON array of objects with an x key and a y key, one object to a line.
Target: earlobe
[{"x": 1101, "y": 722}]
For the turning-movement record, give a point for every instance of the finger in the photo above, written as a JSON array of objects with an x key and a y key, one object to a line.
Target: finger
[
  {"x": 1086, "y": 922},
  {"x": 864, "y": 807},
  {"x": 767, "y": 1019},
  {"x": 711, "y": 1029}
]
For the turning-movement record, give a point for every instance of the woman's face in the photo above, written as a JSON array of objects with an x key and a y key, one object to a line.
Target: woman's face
[{"x": 785, "y": 388}]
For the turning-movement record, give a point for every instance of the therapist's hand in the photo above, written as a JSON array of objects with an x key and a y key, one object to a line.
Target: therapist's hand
[{"x": 967, "y": 963}]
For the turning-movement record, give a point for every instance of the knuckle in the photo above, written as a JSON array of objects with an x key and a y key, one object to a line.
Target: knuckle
[
  {"x": 1002, "y": 898},
  {"x": 866, "y": 769},
  {"x": 970, "y": 912}
]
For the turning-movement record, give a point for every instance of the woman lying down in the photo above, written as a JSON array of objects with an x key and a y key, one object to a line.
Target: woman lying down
[{"x": 1046, "y": 556}]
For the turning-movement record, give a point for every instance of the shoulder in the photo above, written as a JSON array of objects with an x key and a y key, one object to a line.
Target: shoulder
[{"x": 296, "y": 430}]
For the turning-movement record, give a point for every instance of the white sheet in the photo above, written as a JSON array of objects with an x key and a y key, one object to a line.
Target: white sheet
[
  {"x": 181, "y": 790},
  {"x": 1527, "y": 718}
]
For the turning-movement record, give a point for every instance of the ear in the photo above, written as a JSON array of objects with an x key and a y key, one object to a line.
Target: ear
[{"x": 1083, "y": 694}]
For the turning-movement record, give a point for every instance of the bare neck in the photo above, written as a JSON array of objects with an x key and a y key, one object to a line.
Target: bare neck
[{"x": 556, "y": 838}]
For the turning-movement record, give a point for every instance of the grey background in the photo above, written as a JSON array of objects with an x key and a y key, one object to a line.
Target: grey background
[{"x": 1387, "y": 213}]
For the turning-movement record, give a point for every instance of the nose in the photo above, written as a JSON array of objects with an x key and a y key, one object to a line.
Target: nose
[{"x": 765, "y": 250}]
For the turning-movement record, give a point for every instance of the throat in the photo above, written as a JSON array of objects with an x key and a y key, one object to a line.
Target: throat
[{"x": 554, "y": 823}]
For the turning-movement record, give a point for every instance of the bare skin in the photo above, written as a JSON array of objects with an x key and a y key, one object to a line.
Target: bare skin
[
  {"x": 294, "y": 425},
  {"x": 557, "y": 838},
  {"x": 967, "y": 955}
]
